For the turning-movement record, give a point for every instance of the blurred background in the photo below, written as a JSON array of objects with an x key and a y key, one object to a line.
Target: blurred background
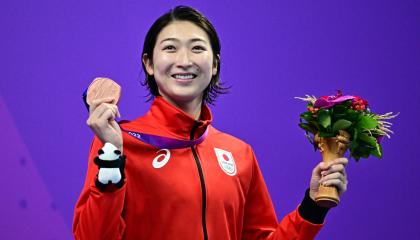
[{"x": 271, "y": 52}]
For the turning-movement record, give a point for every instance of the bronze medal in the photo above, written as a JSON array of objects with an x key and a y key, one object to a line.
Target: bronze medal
[{"x": 103, "y": 88}]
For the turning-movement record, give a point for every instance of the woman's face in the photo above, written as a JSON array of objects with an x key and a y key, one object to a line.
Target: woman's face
[{"x": 183, "y": 63}]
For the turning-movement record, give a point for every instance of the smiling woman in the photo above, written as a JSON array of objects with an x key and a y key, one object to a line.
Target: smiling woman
[
  {"x": 183, "y": 65},
  {"x": 201, "y": 35},
  {"x": 179, "y": 177}
]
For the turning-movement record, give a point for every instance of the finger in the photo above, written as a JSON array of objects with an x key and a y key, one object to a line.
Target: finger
[
  {"x": 102, "y": 121},
  {"x": 343, "y": 161},
  {"x": 106, "y": 117},
  {"x": 97, "y": 102},
  {"x": 322, "y": 166},
  {"x": 333, "y": 176},
  {"x": 334, "y": 168},
  {"x": 106, "y": 106},
  {"x": 99, "y": 109},
  {"x": 95, "y": 114},
  {"x": 341, "y": 186},
  {"x": 118, "y": 112},
  {"x": 109, "y": 114}
]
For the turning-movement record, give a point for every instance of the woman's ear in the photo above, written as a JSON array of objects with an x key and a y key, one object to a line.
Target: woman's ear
[
  {"x": 216, "y": 64},
  {"x": 148, "y": 64}
]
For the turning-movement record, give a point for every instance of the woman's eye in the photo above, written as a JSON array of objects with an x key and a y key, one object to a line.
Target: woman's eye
[
  {"x": 169, "y": 47},
  {"x": 199, "y": 48}
]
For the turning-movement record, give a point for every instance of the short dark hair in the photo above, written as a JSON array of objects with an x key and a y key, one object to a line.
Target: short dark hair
[{"x": 184, "y": 13}]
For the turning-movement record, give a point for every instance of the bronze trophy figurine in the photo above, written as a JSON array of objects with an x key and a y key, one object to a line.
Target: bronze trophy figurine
[{"x": 331, "y": 148}]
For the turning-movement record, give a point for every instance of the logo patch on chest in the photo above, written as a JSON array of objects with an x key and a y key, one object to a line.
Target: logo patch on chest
[
  {"x": 161, "y": 159},
  {"x": 226, "y": 161}
]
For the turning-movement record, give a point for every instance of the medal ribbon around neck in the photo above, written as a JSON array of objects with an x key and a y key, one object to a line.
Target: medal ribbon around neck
[{"x": 165, "y": 142}]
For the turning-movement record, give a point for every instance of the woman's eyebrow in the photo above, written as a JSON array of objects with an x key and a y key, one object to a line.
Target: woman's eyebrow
[
  {"x": 197, "y": 40},
  {"x": 177, "y": 40}
]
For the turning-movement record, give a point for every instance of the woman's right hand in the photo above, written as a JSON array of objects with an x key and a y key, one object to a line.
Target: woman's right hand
[{"x": 102, "y": 114}]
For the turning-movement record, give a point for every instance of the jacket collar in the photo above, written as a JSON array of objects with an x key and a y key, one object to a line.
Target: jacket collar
[{"x": 176, "y": 121}]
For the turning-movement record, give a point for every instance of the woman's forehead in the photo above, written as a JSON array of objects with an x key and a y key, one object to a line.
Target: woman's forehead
[{"x": 182, "y": 31}]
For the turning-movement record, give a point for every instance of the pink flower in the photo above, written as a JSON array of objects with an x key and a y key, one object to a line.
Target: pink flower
[{"x": 330, "y": 101}]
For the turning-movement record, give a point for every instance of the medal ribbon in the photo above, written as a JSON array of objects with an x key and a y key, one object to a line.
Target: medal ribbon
[{"x": 165, "y": 142}]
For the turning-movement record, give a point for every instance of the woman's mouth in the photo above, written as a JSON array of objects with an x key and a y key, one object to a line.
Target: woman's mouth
[{"x": 184, "y": 77}]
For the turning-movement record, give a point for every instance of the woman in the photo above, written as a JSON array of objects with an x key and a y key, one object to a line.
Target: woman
[{"x": 198, "y": 183}]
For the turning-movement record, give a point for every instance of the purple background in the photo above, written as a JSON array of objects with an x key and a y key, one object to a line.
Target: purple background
[{"x": 272, "y": 51}]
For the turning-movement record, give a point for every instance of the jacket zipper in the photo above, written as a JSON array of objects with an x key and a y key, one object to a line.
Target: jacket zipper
[{"x": 203, "y": 185}]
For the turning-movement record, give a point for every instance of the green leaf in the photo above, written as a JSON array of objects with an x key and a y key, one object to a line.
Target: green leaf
[
  {"x": 353, "y": 154},
  {"x": 352, "y": 115},
  {"x": 377, "y": 151},
  {"x": 307, "y": 116},
  {"x": 339, "y": 109},
  {"x": 371, "y": 141},
  {"x": 310, "y": 139},
  {"x": 315, "y": 125},
  {"x": 341, "y": 125},
  {"x": 324, "y": 118},
  {"x": 354, "y": 145},
  {"x": 339, "y": 116},
  {"x": 367, "y": 122},
  {"x": 363, "y": 151},
  {"x": 307, "y": 127},
  {"x": 355, "y": 134},
  {"x": 326, "y": 135}
]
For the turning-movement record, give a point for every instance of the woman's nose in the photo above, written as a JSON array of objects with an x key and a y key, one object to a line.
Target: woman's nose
[{"x": 183, "y": 58}]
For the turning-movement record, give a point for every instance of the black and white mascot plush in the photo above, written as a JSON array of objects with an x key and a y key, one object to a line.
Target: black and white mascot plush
[{"x": 111, "y": 167}]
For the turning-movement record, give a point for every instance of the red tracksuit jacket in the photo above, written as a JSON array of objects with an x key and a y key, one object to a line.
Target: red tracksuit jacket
[{"x": 213, "y": 190}]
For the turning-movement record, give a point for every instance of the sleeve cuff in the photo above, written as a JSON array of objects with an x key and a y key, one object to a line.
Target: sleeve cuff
[{"x": 310, "y": 211}]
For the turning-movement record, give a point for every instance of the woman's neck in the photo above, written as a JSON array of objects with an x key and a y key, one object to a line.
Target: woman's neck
[{"x": 192, "y": 108}]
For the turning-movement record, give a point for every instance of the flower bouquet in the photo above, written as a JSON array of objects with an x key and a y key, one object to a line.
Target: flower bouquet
[{"x": 335, "y": 124}]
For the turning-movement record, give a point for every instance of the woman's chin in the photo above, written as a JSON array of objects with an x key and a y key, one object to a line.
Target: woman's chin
[{"x": 183, "y": 97}]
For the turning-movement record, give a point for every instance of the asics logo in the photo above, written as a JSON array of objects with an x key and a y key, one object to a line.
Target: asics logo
[{"x": 161, "y": 159}]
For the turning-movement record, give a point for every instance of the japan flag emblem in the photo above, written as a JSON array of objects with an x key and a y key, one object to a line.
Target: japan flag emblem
[{"x": 226, "y": 161}]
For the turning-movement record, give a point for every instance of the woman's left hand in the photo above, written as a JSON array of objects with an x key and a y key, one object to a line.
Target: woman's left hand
[{"x": 329, "y": 174}]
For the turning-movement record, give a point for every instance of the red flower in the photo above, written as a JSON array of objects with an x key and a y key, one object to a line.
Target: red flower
[
  {"x": 359, "y": 103},
  {"x": 313, "y": 110}
]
